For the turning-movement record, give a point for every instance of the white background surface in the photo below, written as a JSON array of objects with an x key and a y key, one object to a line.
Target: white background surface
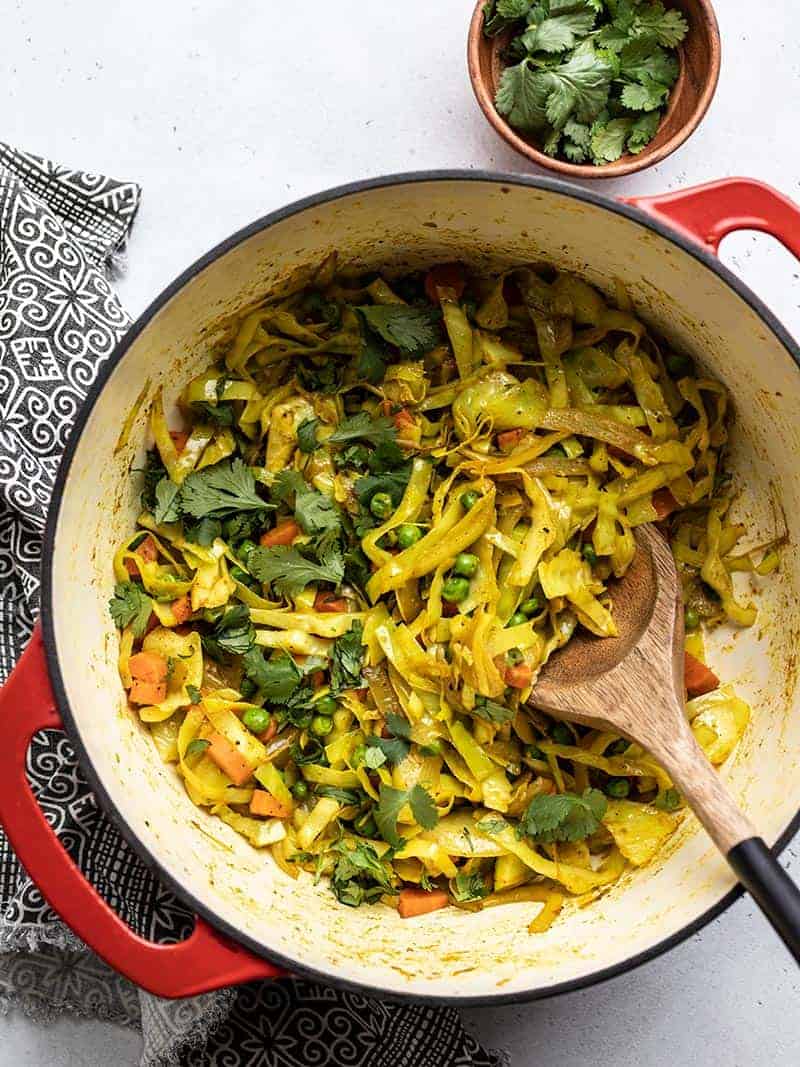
[{"x": 224, "y": 111}]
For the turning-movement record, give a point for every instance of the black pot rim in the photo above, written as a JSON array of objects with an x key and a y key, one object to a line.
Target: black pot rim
[{"x": 199, "y": 907}]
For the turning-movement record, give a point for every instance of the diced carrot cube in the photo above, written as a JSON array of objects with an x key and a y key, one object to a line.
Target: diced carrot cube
[
  {"x": 264, "y": 803},
  {"x": 444, "y": 276},
  {"x": 229, "y": 759},
  {"x": 697, "y": 677},
  {"x": 181, "y": 609},
  {"x": 179, "y": 439},
  {"x": 330, "y": 603},
  {"x": 147, "y": 692},
  {"x": 148, "y": 550},
  {"x": 283, "y": 534},
  {"x": 519, "y": 676},
  {"x": 664, "y": 503},
  {"x": 148, "y": 667},
  {"x": 413, "y": 902}
]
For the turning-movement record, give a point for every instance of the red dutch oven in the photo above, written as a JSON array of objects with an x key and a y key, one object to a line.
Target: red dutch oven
[{"x": 253, "y": 921}]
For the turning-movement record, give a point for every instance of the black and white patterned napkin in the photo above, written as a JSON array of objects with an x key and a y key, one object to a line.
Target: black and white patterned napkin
[{"x": 60, "y": 231}]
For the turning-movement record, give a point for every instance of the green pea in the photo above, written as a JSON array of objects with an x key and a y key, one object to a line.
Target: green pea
[
  {"x": 321, "y": 725},
  {"x": 517, "y": 619},
  {"x": 240, "y": 575},
  {"x": 677, "y": 365},
  {"x": 408, "y": 535},
  {"x": 455, "y": 590},
  {"x": 691, "y": 620},
  {"x": 359, "y": 755},
  {"x": 534, "y": 752},
  {"x": 589, "y": 554},
  {"x": 514, "y": 656},
  {"x": 364, "y": 824},
  {"x": 381, "y": 505},
  {"x": 433, "y": 748},
  {"x": 469, "y": 499},
  {"x": 529, "y": 607},
  {"x": 244, "y": 550},
  {"x": 466, "y": 564},
  {"x": 300, "y": 790},
  {"x": 561, "y": 734},
  {"x": 669, "y": 800},
  {"x": 618, "y": 787},
  {"x": 256, "y": 719},
  {"x": 326, "y": 705}
]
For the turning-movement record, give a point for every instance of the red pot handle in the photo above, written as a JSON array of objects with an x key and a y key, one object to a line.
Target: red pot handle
[
  {"x": 707, "y": 213},
  {"x": 206, "y": 960}
]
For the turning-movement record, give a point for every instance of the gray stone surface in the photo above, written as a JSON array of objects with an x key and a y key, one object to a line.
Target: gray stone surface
[{"x": 224, "y": 111}]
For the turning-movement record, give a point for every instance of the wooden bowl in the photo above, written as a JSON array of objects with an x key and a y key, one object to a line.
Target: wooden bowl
[{"x": 699, "y": 58}]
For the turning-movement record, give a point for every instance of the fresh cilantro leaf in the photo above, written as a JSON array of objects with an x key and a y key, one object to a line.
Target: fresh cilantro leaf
[
  {"x": 233, "y": 633},
  {"x": 551, "y": 143},
  {"x": 386, "y": 456},
  {"x": 364, "y": 427},
  {"x": 560, "y": 31},
  {"x": 467, "y": 887},
  {"x": 221, "y": 414},
  {"x": 356, "y": 567},
  {"x": 196, "y": 746},
  {"x": 359, "y": 877},
  {"x": 612, "y": 37},
  {"x": 426, "y": 882},
  {"x": 491, "y": 711},
  {"x": 522, "y": 96},
  {"x": 314, "y": 753},
  {"x": 668, "y": 27},
  {"x": 307, "y": 435},
  {"x": 608, "y": 143},
  {"x": 423, "y": 808},
  {"x": 578, "y": 87},
  {"x": 398, "y": 725},
  {"x": 414, "y": 330},
  {"x": 204, "y": 532},
  {"x": 393, "y": 749},
  {"x": 575, "y": 153},
  {"x": 289, "y": 572},
  {"x": 393, "y": 482},
  {"x": 353, "y": 456},
  {"x": 643, "y": 131},
  {"x": 276, "y": 678},
  {"x": 243, "y": 527},
  {"x": 286, "y": 485},
  {"x": 195, "y": 696},
  {"x": 347, "y": 658},
  {"x": 513, "y": 9},
  {"x": 221, "y": 491},
  {"x": 645, "y": 96},
  {"x": 641, "y": 59},
  {"x": 316, "y": 512},
  {"x": 130, "y": 606},
  {"x": 391, "y": 803},
  {"x": 578, "y": 132},
  {"x": 152, "y": 473},
  {"x": 372, "y": 359},
  {"x": 320, "y": 375},
  {"x": 563, "y": 816}
]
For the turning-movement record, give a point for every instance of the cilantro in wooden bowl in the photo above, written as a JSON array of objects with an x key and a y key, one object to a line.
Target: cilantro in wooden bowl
[{"x": 594, "y": 88}]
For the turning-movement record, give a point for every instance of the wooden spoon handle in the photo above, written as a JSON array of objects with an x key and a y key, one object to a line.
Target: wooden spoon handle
[{"x": 753, "y": 863}]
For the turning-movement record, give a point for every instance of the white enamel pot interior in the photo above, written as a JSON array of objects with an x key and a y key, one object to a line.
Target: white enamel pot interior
[{"x": 408, "y": 222}]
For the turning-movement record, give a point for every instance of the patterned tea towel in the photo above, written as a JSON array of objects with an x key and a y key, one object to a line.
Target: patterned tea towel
[{"x": 61, "y": 230}]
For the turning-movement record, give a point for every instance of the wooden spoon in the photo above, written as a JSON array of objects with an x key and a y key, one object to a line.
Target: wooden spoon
[{"x": 633, "y": 685}]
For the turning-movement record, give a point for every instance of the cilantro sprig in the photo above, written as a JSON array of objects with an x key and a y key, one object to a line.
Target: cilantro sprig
[
  {"x": 391, "y": 803},
  {"x": 563, "y": 816},
  {"x": 288, "y": 571},
  {"x": 591, "y": 78},
  {"x": 130, "y": 606}
]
